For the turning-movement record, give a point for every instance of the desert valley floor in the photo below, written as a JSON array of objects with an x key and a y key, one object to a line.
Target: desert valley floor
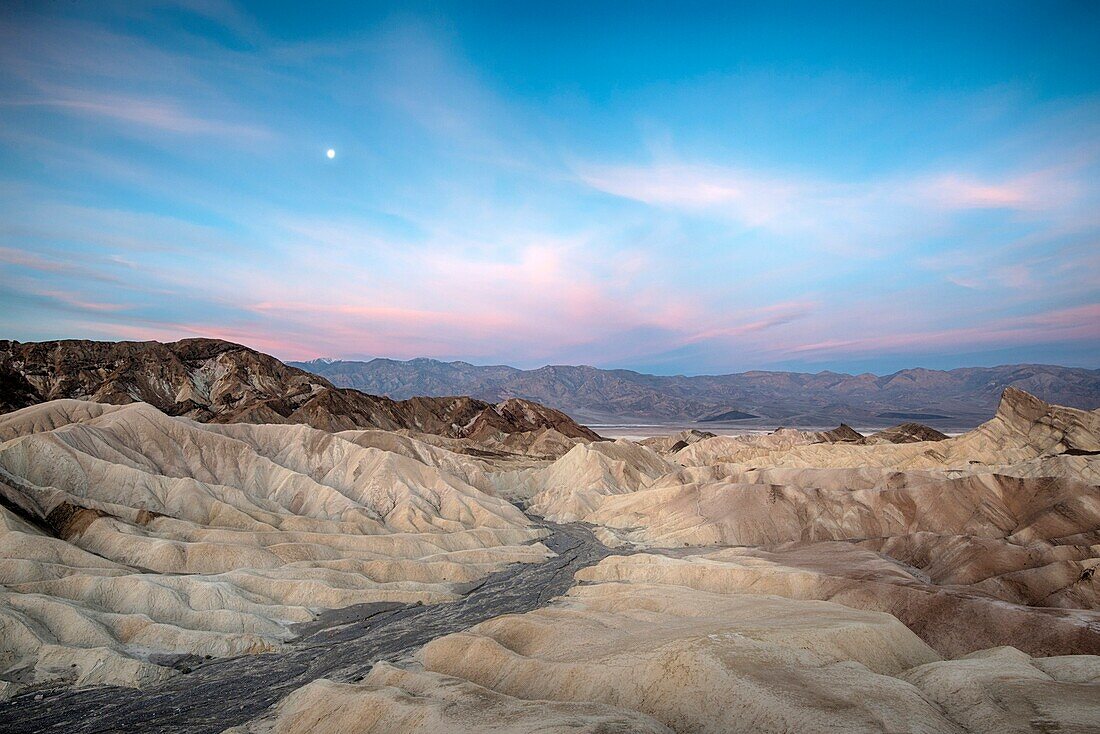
[{"x": 267, "y": 569}]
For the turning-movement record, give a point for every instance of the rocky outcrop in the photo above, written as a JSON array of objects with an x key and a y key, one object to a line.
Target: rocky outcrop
[
  {"x": 1051, "y": 429},
  {"x": 906, "y": 433},
  {"x": 213, "y": 381},
  {"x": 205, "y": 379},
  {"x": 1009, "y": 511},
  {"x": 673, "y": 443},
  {"x": 841, "y": 434}
]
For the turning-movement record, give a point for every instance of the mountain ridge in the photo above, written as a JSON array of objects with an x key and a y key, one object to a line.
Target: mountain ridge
[
  {"x": 214, "y": 381},
  {"x": 963, "y": 396}
]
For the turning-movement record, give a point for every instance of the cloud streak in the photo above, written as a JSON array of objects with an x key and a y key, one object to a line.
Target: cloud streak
[
  {"x": 784, "y": 203},
  {"x": 1080, "y": 323},
  {"x": 161, "y": 115}
]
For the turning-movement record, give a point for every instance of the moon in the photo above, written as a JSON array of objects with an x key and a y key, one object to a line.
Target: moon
[{"x": 330, "y": 153}]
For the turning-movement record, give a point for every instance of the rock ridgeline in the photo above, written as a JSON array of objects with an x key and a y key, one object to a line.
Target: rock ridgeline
[
  {"x": 214, "y": 381},
  {"x": 959, "y": 399}
]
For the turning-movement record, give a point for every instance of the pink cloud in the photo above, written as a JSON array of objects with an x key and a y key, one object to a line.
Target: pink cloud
[
  {"x": 956, "y": 192},
  {"x": 845, "y": 216},
  {"x": 1050, "y": 188},
  {"x": 543, "y": 299},
  {"x": 24, "y": 258},
  {"x": 751, "y": 197},
  {"x": 1081, "y": 323},
  {"x": 76, "y": 302},
  {"x": 762, "y": 319},
  {"x": 34, "y": 261},
  {"x": 163, "y": 115},
  {"x": 386, "y": 315}
]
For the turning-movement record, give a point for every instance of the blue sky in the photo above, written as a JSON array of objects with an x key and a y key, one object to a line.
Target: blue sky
[{"x": 676, "y": 188}]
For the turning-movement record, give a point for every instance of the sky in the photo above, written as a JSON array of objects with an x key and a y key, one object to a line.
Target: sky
[{"x": 674, "y": 188}]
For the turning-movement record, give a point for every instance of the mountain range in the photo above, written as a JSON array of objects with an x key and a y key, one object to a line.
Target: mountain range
[
  {"x": 214, "y": 381},
  {"x": 958, "y": 398}
]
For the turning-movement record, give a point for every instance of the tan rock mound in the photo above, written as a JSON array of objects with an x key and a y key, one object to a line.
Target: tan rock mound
[
  {"x": 952, "y": 620},
  {"x": 673, "y": 443},
  {"x": 728, "y": 513},
  {"x": 574, "y": 485},
  {"x": 703, "y": 662},
  {"x": 393, "y": 699},
  {"x": 998, "y": 528},
  {"x": 127, "y": 531},
  {"x": 1024, "y": 479},
  {"x": 1004, "y": 690},
  {"x": 1026, "y": 437},
  {"x": 727, "y": 448}
]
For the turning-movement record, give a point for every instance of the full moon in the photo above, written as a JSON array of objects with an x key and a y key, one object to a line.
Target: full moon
[{"x": 331, "y": 153}]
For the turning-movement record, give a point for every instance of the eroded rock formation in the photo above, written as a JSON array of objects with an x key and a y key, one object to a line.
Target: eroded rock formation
[{"x": 791, "y": 581}]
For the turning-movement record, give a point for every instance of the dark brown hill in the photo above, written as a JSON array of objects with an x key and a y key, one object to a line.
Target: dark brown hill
[
  {"x": 906, "y": 433},
  {"x": 215, "y": 381}
]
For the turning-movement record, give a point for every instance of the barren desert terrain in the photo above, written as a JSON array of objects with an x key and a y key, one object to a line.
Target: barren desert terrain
[{"x": 278, "y": 577}]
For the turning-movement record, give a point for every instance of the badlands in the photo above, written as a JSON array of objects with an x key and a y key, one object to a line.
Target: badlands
[{"x": 196, "y": 552}]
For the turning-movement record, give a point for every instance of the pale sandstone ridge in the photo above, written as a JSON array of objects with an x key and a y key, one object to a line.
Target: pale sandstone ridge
[
  {"x": 574, "y": 485},
  {"x": 126, "y": 532},
  {"x": 953, "y": 620},
  {"x": 215, "y": 381},
  {"x": 393, "y": 699},
  {"x": 700, "y": 661},
  {"x": 693, "y": 494}
]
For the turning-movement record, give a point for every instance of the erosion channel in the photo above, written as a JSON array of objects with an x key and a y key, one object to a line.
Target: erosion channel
[{"x": 341, "y": 645}]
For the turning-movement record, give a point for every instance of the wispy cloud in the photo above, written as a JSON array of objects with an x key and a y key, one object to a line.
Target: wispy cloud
[
  {"x": 1079, "y": 323},
  {"x": 158, "y": 114},
  {"x": 53, "y": 265},
  {"x": 70, "y": 301},
  {"x": 781, "y": 202},
  {"x": 757, "y": 320},
  {"x": 86, "y": 71}
]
